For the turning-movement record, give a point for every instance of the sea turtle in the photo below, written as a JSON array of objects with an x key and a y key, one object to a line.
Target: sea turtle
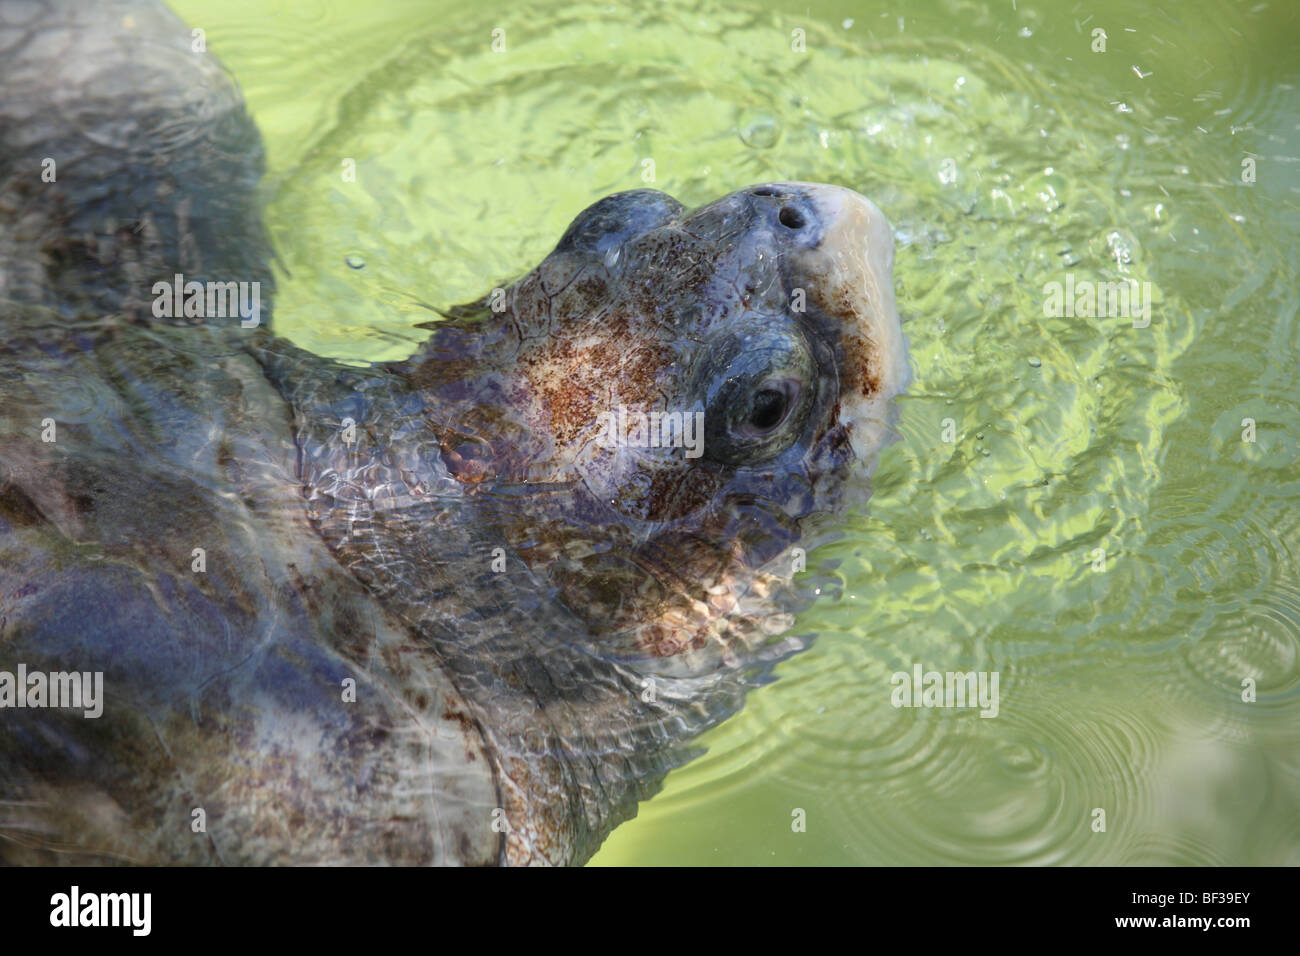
[{"x": 469, "y": 607}]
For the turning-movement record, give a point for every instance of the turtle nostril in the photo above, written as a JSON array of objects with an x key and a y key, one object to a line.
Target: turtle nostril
[
  {"x": 791, "y": 218},
  {"x": 764, "y": 191}
]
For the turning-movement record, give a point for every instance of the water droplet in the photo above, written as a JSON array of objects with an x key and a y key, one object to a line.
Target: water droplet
[
  {"x": 759, "y": 129},
  {"x": 1021, "y": 759},
  {"x": 1035, "y": 361},
  {"x": 354, "y": 261},
  {"x": 1117, "y": 245}
]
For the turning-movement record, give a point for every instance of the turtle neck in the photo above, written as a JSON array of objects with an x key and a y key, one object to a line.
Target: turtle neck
[{"x": 574, "y": 738}]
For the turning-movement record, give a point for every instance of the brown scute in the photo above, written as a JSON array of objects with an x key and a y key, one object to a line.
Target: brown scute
[
  {"x": 469, "y": 462},
  {"x": 661, "y": 641},
  {"x": 673, "y": 492},
  {"x": 568, "y": 399},
  {"x": 585, "y": 295}
]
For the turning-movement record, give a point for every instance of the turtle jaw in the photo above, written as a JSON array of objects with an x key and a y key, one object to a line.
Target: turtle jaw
[{"x": 848, "y": 277}]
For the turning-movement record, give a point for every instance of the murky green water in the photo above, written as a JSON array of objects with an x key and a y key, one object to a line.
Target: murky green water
[{"x": 1007, "y": 153}]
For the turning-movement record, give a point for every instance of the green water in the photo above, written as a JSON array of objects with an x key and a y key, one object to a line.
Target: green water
[{"x": 1006, "y": 152}]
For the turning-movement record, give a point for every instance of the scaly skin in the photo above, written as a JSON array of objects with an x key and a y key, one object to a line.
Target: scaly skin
[{"x": 537, "y": 624}]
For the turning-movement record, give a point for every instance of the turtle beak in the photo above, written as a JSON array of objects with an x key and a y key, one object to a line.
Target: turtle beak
[{"x": 849, "y": 276}]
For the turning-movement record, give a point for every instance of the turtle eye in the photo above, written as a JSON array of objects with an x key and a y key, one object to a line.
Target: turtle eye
[
  {"x": 769, "y": 409},
  {"x": 771, "y": 406},
  {"x": 757, "y": 394}
]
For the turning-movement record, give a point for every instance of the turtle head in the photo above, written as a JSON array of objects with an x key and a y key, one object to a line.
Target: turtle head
[
  {"x": 687, "y": 386},
  {"x": 739, "y": 349}
]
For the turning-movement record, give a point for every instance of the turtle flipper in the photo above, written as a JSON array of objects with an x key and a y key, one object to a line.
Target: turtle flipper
[
  {"x": 126, "y": 158},
  {"x": 256, "y": 708}
]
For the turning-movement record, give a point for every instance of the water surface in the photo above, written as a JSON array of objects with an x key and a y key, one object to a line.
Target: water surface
[{"x": 1035, "y": 450}]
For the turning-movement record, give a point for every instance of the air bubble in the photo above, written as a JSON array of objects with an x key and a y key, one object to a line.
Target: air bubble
[
  {"x": 759, "y": 129},
  {"x": 1117, "y": 245}
]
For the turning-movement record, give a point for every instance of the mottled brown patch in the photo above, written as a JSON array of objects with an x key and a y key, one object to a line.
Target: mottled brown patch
[
  {"x": 466, "y": 722},
  {"x": 683, "y": 487},
  {"x": 577, "y": 381},
  {"x": 865, "y": 376},
  {"x": 470, "y": 462},
  {"x": 861, "y": 368},
  {"x": 661, "y": 641}
]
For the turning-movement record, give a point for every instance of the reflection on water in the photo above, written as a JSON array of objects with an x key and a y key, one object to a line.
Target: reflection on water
[{"x": 1072, "y": 504}]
